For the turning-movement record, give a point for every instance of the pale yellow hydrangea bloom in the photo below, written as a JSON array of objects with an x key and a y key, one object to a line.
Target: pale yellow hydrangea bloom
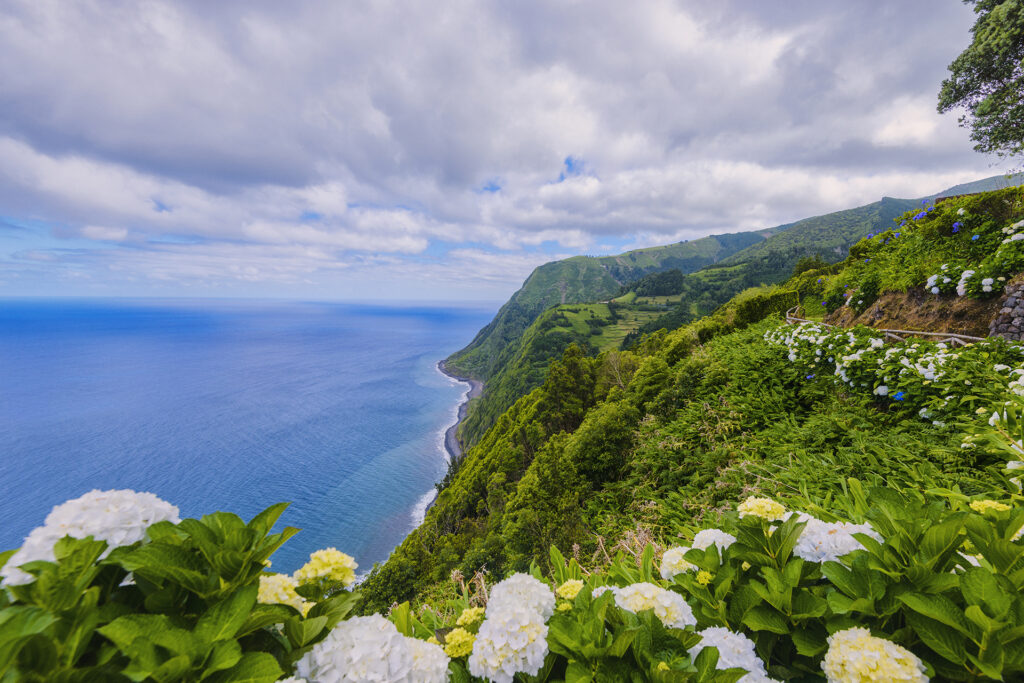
[
  {"x": 570, "y": 589},
  {"x": 329, "y": 563},
  {"x": 458, "y": 643},
  {"x": 662, "y": 666},
  {"x": 855, "y": 656},
  {"x": 983, "y": 506},
  {"x": 704, "y": 577},
  {"x": 279, "y": 589},
  {"x": 433, "y": 640},
  {"x": 470, "y": 616},
  {"x": 765, "y": 508},
  {"x": 563, "y": 607}
]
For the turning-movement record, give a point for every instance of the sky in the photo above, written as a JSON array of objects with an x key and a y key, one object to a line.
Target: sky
[{"x": 440, "y": 151}]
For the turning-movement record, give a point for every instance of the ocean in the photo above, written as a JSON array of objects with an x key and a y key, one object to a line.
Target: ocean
[{"x": 227, "y": 405}]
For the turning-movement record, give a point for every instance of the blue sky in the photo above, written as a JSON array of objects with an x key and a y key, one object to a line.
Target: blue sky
[{"x": 323, "y": 150}]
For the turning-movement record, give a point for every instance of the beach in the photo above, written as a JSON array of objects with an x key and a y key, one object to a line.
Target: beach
[{"x": 451, "y": 439}]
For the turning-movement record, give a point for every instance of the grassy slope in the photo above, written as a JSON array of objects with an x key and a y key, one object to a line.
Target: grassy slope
[
  {"x": 664, "y": 436},
  {"x": 583, "y": 279}
]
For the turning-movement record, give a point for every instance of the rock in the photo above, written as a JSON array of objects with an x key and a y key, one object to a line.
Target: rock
[
  {"x": 1017, "y": 322},
  {"x": 1005, "y": 310},
  {"x": 1010, "y": 302}
]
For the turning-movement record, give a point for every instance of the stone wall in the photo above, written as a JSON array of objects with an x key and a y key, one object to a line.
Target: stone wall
[{"x": 1009, "y": 322}]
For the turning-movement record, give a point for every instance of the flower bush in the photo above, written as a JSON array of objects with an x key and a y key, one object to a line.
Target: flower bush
[{"x": 880, "y": 585}]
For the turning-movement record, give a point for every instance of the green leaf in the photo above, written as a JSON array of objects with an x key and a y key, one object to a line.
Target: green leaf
[
  {"x": 981, "y": 587},
  {"x": 262, "y": 616},
  {"x": 764, "y": 618},
  {"x": 810, "y": 642},
  {"x": 301, "y": 632},
  {"x": 942, "y": 639},
  {"x": 937, "y": 607},
  {"x": 223, "y": 620},
  {"x": 223, "y": 656},
  {"x": 254, "y": 667},
  {"x": 124, "y": 630},
  {"x": 264, "y": 521}
]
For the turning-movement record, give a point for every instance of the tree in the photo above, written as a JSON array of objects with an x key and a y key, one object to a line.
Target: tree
[{"x": 987, "y": 79}]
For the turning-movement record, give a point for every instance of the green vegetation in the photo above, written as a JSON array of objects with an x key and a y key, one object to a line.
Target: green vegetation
[
  {"x": 582, "y": 279},
  {"x": 987, "y": 79}
]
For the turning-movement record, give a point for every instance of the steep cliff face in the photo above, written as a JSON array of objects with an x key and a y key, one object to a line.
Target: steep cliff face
[{"x": 920, "y": 310}]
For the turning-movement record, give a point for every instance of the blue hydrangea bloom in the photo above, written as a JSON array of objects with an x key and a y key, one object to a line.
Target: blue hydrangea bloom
[
  {"x": 974, "y": 238},
  {"x": 903, "y": 223},
  {"x": 957, "y": 226},
  {"x": 898, "y": 396},
  {"x": 811, "y": 376},
  {"x": 822, "y": 303}
]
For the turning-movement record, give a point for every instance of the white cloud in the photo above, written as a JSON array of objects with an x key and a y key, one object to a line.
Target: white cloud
[{"x": 284, "y": 143}]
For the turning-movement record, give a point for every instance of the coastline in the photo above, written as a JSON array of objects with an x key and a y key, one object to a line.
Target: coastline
[{"x": 451, "y": 439}]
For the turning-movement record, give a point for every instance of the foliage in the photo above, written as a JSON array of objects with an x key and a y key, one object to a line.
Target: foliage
[
  {"x": 179, "y": 606},
  {"x": 987, "y": 78}
]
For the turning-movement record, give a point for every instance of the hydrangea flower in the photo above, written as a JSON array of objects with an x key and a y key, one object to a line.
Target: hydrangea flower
[
  {"x": 279, "y": 589},
  {"x": 119, "y": 517},
  {"x": 735, "y": 650},
  {"x": 458, "y": 643},
  {"x": 511, "y": 640},
  {"x": 429, "y": 662},
  {"x": 983, "y": 506},
  {"x": 713, "y": 537},
  {"x": 359, "y": 649},
  {"x": 669, "y": 607},
  {"x": 673, "y": 563},
  {"x": 765, "y": 508},
  {"x": 855, "y": 656},
  {"x": 828, "y": 541},
  {"x": 570, "y": 589},
  {"x": 522, "y": 590},
  {"x": 329, "y": 563},
  {"x": 470, "y": 616}
]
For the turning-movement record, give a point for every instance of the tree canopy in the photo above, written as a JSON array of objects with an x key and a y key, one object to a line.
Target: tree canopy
[{"x": 987, "y": 79}]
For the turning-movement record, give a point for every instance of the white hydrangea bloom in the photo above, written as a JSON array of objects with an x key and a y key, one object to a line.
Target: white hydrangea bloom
[
  {"x": 828, "y": 541},
  {"x": 119, "y": 517},
  {"x": 510, "y": 640},
  {"x": 668, "y": 606},
  {"x": 601, "y": 590},
  {"x": 361, "y": 649},
  {"x": 716, "y": 537},
  {"x": 882, "y": 390},
  {"x": 523, "y": 589},
  {"x": 854, "y": 655},
  {"x": 429, "y": 662},
  {"x": 735, "y": 650},
  {"x": 672, "y": 564}
]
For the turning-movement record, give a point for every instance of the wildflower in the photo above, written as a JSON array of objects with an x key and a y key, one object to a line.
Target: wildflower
[
  {"x": 673, "y": 564},
  {"x": 669, "y": 607},
  {"x": 735, "y": 650},
  {"x": 765, "y": 508},
  {"x": 704, "y": 577},
  {"x": 470, "y": 616},
  {"x": 570, "y": 589},
  {"x": 511, "y": 640},
  {"x": 118, "y": 517},
  {"x": 279, "y": 589},
  {"x": 330, "y": 564},
  {"x": 855, "y": 656},
  {"x": 983, "y": 506},
  {"x": 522, "y": 590},
  {"x": 458, "y": 643}
]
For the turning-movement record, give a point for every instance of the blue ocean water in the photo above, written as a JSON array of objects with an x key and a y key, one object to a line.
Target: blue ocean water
[{"x": 231, "y": 406}]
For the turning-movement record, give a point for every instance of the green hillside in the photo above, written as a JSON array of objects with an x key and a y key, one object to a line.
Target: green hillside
[
  {"x": 620, "y": 457},
  {"x": 583, "y": 279}
]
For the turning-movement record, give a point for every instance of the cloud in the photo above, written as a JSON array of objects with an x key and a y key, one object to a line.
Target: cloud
[{"x": 285, "y": 144}]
